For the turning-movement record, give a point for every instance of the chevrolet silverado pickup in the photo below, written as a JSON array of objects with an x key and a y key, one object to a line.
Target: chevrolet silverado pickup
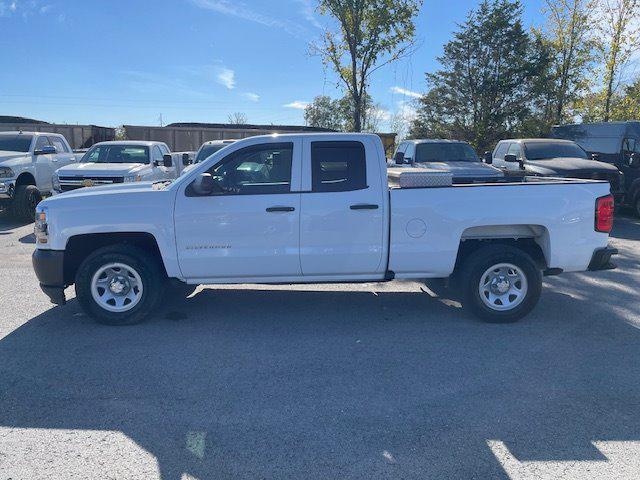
[
  {"x": 117, "y": 162},
  {"x": 27, "y": 163},
  {"x": 311, "y": 208}
]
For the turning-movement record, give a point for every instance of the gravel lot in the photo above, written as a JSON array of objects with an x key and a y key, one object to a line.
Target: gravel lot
[{"x": 354, "y": 381}]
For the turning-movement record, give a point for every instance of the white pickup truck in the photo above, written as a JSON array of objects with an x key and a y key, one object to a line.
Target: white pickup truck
[
  {"x": 117, "y": 162},
  {"x": 313, "y": 208},
  {"x": 27, "y": 163}
]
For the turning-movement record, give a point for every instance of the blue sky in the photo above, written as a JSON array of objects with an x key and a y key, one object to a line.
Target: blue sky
[{"x": 114, "y": 62}]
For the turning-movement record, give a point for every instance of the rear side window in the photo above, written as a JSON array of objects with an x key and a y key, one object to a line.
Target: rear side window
[{"x": 338, "y": 166}]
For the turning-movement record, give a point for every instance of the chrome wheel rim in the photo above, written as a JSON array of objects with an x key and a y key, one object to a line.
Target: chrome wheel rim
[
  {"x": 503, "y": 287},
  {"x": 117, "y": 287}
]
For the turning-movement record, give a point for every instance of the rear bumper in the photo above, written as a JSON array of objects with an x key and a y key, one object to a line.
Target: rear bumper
[
  {"x": 49, "y": 268},
  {"x": 601, "y": 259}
]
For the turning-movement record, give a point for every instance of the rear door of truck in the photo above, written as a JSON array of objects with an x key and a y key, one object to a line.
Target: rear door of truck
[{"x": 344, "y": 218}]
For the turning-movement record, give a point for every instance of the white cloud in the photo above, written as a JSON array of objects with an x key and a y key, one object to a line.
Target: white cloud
[
  {"x": 298, "y": 105},
  {"x": 239, "y": 9},
  {"x": 308, "y": 10},
  {"x": 254, "y": 97},
  {"x": 226, "y": 77},
  {"x": 405, "y": 92}
]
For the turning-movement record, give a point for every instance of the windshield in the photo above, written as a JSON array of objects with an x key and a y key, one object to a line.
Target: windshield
[
  {"x": 445, "y": 152},
  {"x": 206, "y": 151},
  {"x": 15, "y": 143},
  {"x": 117, "y": 154},
  {"x": 549, "y": 150}
]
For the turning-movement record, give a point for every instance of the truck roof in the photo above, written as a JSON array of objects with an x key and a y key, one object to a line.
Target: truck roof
[
  {"x": 433, "y": 140},
  {"x": 537, "y": 140},
  {"x": 599, "y": 129},
  {"x": 131, "y": 142},
  {"x": 35, "y": 134}
]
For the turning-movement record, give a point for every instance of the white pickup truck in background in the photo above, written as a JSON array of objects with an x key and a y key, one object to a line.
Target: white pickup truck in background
[
  {"x": 313, "y": 208},
  {"x": 27, "y": 163},
  {"x": 117, "y": 162}
]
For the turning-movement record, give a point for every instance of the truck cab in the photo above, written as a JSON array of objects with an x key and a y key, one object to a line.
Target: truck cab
[
  {"x": 617, "y": 143},
  {"x": 116, "y": 162},
  {"x": 27, "y": 163}
]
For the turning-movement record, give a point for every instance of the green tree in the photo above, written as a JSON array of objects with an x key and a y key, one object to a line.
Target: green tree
[
  {"x": 324, "y": 112},
  {"x": 570, "y": 46},
  {"x": 371, "y": 33},
  {"x": 618, "y": 40},
  {"x": 627, "y": 105},
  {"x": 489, "y": 74}
]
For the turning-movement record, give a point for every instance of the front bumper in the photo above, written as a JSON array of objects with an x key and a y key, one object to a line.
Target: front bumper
[
  {"x": 601, "y": 259},
  {"x": 49, "y": 268},
  {"x": 7, "y": 187}
]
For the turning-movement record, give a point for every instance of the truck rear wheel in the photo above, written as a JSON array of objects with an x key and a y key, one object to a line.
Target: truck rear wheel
[
  {"x": 24, "y": 203},
  {"x": 500, "y": 284},
  {"x": 119, "y": 285}
]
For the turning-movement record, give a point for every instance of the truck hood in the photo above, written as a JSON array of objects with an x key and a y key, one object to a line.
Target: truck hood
[
  {"x": 6, "y": 157},
  {"x": 566, "y": 166},
  {"x": 101, "y": 169},
  {"x": 464, "y": 169},
  {"x": 115, "y": 189}
]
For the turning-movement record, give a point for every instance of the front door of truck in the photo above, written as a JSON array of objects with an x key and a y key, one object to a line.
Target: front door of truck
[
  {"x": 343, "y": 220},
  {"x": 43, "y": 165},
  {"x": 249, "y": 227}
]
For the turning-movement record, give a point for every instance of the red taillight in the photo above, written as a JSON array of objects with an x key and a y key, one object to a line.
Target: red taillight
[{"x": 604, "y": 214}]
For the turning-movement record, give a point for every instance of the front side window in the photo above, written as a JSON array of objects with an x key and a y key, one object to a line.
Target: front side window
[
  {"x": 257, "y": 170},
  {"x": 629, "y": 147},
  {"x": 117, "y": 154},
  {"x": 501, "y": 151},
  {"x": 15, "y": 143},
  {"x": 42, "y": 142},
  {"x": 206, "y": 151},
  {"x": 338, "y": 166},
  {"x": 59, "y": 144},
  {"x": 514, "y": 149},
  {"x": 157, "y": 155}
]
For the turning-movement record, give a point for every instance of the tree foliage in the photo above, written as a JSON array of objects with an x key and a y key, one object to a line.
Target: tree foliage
[
  {"x": 370, "y": 34},
  {"x": 490, "y": 71},
  {"x": 325, "y": 112}
]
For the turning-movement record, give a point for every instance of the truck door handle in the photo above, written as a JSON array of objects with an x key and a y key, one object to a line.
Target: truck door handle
[
  {"x": 280, "y": 209},
  {"x": 364, "y": 206}
]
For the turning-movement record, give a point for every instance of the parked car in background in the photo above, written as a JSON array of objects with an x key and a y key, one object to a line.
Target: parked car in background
[
  {"x": 554, "y": 158},
  {"x": 617, "y": 143},
  {"x": 454, "y": 156},
  {"x": 311, "y": 208},
  {"x": 117, "y": 162},
  {"x": 27, "y": 163}
]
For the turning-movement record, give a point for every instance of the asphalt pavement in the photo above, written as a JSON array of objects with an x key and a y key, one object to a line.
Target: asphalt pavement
[{"x": 366, "y": 381}]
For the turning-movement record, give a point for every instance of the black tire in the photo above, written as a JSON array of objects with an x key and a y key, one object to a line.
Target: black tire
[
  {"x": 147, "y": 267},
  {"x": 24, "y": 203},
  {"x": 474, "y": 268}
]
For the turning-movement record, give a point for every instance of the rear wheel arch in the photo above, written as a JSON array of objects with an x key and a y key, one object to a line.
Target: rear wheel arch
[{"x": 80, "y": 247}]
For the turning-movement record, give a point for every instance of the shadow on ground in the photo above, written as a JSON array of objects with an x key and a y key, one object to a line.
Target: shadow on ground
[{"x": 338, "y": 384}]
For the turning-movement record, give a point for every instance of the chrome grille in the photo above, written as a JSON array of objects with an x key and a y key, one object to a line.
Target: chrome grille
[{"x": 73, "y": 183}]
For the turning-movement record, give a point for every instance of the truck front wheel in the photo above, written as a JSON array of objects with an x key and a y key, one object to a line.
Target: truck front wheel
[
  {"x": 501, "y": 284},
  {"x": 24, "y": 203},
  {"x": 119, "y": 285}
]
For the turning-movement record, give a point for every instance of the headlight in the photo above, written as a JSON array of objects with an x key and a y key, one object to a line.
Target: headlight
[
  {"x": 41, "y": 227},
  {"x": 132, "y": 178},
  {"x": 6, "y": 172},
  {"x": 56, "y": 182}
]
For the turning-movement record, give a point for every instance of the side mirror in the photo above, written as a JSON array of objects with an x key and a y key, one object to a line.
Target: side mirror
[
  {"x": 595, "y": 156},
  {"x": 488, "y": 158},
  {"x": 204, "y": 185},
  {"x": 634, "y": 161},
  {"x": 510, "y": 158},
  {"x": 399, "y": 158},
  {"x": 186, "y": 159},
  {"x": 46, "y": 150},
  {"x": 167, "y": 160}
]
